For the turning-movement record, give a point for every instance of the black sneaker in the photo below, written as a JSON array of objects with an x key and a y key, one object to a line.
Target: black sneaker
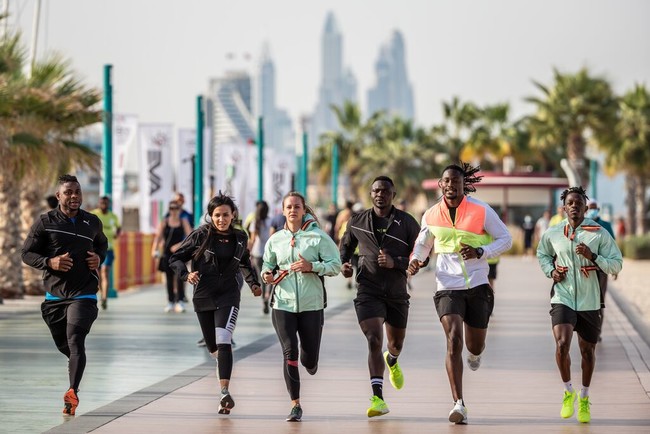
[
  {"x": 226, "y": 403},
  {"x": 295, "y": 415},
  {"x": 200, "y": 343}
]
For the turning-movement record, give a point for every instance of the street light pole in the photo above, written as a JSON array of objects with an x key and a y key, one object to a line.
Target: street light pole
[
  {"x": 197, "y": 163},
  {"x": 260, "y": 158}
]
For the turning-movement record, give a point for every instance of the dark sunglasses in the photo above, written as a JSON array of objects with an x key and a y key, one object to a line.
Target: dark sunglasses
[{"x": 174, "y": 208}]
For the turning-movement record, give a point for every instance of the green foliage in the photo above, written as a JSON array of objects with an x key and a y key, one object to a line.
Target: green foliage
[{"x": 637, "y": 247}]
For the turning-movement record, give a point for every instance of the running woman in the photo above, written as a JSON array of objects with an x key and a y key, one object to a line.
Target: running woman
[
  {"x": 465, "y": 233},
  {"x": 302, "y": 253},
  {"x": 218, "y": 252},
  {"x": 385, "y": 236},
  {"x": 69, "y": 245},
  {"x": 571, "y": 254}
]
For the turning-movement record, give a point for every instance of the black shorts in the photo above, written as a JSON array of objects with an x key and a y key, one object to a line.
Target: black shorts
[
  {"x": 586, "y": 322},
  {"x": 81, "y": 312},
  {"x": 394, "y": 311},
  {"x": 475, "y": 305},
  {"x": 492, "y": 273}
]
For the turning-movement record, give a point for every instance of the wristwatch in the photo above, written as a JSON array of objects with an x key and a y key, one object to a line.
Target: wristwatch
[
  {"x": 479, "y": 252},
  {"x": 593, "y": 257}
]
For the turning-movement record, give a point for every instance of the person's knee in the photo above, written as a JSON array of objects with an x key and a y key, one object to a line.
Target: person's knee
[
  {"x": 374, "y": 340},
  {"x": 562, "y": 346},
  {"x": 223, "y": 336}
]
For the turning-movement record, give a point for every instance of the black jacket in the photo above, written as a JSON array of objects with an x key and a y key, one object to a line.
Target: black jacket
[
  {"x": 215, "y": 289},
  {"x": 55, "y": 234},
  {"x": 398, "y": 242}
]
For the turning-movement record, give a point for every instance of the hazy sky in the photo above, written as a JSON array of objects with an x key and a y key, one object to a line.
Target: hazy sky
[{"x": 487, "y": 51}]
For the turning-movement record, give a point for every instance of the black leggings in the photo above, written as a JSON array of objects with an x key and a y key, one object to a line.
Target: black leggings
[
  {"x": 223, "y": 318},
  {"x": 172, "y": 280},
  {"x": 69, "y": 324},
  {"x": 289, "y": 326}
]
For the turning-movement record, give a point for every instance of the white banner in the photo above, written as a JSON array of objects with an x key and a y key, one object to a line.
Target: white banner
[
  {"x": 278, "y": 171},
  {"x": 125, "y": 129},
  {"x": 156, "y": 173},
  {"x": 236, "y": 175},
  {"x": 185, "y": 177}
]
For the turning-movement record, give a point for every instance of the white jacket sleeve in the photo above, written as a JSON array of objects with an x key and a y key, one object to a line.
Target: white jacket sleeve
[
  {"x": 423, "y": 243},
  {"x": 502, "y": 240}
]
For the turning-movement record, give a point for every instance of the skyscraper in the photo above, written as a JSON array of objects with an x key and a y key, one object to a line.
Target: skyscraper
[
  {"x": 278, "y": 130},
  {"x": 393, "y": 93},
  {"x": 337, "y": 84},
  {"x": 229, "y": 109}
]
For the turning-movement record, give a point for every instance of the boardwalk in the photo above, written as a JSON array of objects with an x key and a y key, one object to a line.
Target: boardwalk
[{"x": 145, "y": 373}]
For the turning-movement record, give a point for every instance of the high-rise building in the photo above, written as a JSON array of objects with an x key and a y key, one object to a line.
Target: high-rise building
[
  {"x": 278, "y": 129},
  {"x": 393, "y": 92},
  {"x": 337, "y": 84},
  {"x": 229, "y": 114}
]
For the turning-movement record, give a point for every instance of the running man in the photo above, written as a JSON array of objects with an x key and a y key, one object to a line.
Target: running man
[
  {"x": 464, "y": 232},
  {"x": 570, "y": 254},
  {"x": 111, "y": 225},
  {"x": 68, "y": 244},
  {"x": 385, "y": 236}
]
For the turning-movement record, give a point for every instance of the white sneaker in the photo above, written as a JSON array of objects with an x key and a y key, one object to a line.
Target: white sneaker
[
  {"x": 179, "y": 307},
  {"x": 169, "y": 307},
  {"x": 473, "y": 362},
  {"x": 458, "y": 414}
]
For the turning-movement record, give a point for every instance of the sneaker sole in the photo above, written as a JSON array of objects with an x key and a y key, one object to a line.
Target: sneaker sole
[
  {"x": 457, "y": 418},
  {"x": 226, "y": 404},
  {"x": 375, "y": 413}
]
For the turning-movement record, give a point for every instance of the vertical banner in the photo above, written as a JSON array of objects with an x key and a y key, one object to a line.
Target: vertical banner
[
  {"x": 155, "y": 173},
  {"x": 125, "y": 129},
  {"x": 236, "y": 174},
  {"x": 278, "y": 170},
  {"x": 185, "y": 172}
]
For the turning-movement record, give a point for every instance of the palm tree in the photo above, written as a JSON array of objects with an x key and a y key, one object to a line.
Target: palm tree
[
  {"x": 576, "y": 108},
  {"x": 456, "y": 129},
  {"x": 39, "y": 117},
  {"x": 632, "y": 153}
]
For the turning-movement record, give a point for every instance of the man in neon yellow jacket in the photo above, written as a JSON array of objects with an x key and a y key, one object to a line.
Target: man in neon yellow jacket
[{"x": 570, "y": 253}]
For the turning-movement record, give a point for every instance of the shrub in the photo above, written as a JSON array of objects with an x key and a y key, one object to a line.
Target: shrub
[{"x": 637, "y": 247}]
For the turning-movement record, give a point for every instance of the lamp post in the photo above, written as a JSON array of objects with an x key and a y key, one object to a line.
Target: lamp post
[
  {"x": 107, "y": 154},
  {"x": 197, "y": 164},
  {"x": 335, "y": 173},
  {"x": 260, "y": 158}
]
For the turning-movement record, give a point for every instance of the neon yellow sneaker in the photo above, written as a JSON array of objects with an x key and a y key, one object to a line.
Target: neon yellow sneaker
[
  {"x": 568, "y": 403},
  {"x": 584, "y": 414},
  {"x": 377, "y": 407},
  {"x": 396, "y": 376}
]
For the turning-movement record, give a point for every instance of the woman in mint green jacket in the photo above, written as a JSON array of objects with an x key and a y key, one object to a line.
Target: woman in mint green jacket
[
  {"x": 295, "y": 260},
  {"x": 570, "y": 253}
]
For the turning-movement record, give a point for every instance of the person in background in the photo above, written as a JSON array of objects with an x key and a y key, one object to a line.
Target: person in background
[
  {"x": 303, "y": 254},
  {"x": 541, "y": 225},
  {"x": 330, "y": 220},
  {"x": 529, "y": 229},
  {"x": 464, "y": 232},
  {"x": 621, "y": 228},
  {"x": 111, "y": 225},
  {"x": 557, "y": 217},
  {"x": 179, "y": 198},
  {"x": 569, "y": 254},
  {"x": 341, "y": 218},
  {"x": 219, "y": 255},
  {"x": 52, "y": 202},
  {"x": 68, "y": 244},
  {"x": 385, "y": 237},
  {"x": 277, "y": 223},
  {"x": 259, "y": 234},
  {"x": 170, "y": 233}
]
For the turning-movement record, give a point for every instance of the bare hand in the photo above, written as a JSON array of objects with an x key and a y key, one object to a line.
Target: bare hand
[
  {"x": 194, "y": 277},
  {"x": 93, "y": 260},
  {"x": 256, "y": 290},
  {"x": 557, "y": 276},
  {"x": 267, "y": 277},
  {"x": 582, "y": 249},
  {"x": 385, "y": 260},
  {"x": 346, "y": 269},
  {"x": 468, "y": 252},
  {"x": 61, "y": 263},
  {"x": 301, "y": 265},
  {"x": 414, "y": 267}
]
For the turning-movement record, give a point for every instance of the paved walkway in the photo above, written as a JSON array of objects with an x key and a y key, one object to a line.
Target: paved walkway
[{"x": 171, "y": 387}]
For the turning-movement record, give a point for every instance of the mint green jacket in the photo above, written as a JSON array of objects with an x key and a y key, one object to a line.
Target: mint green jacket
[
  {"x": 579, "y": 290},
  {"x": 300, "y": 292}
]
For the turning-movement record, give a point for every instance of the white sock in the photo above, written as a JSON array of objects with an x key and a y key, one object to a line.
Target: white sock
[
  {"x": 568, "y": 387},
  {"x": 584, "y": 392},
  {"x": 473, "y": 357}
]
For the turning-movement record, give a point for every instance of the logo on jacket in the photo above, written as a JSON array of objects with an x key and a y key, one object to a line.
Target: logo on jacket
[
  {"x": 399, "y": 222},
  {"x": 87, "y": 222}
]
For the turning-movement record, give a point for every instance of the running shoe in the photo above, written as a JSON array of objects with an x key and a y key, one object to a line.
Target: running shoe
[
  {"x": 568, "y": 404},
  {"x": 226, "y": 403},
  {"x": 70, "y": 402},
  {"x": 377, "y": 407},
  {"x": 201, "y": 343},
  {"x": 179, "y": 307},
  {"x": 473, "y": 362},
  {"x": 458, "y": 414},
  {"x": 396, "y": 376},
  {"x": 584, "y": 413},
  {"x": 295, "y": 415},
  {"x": 104, "y": 305},
  {"x": 169, "y": 307}
]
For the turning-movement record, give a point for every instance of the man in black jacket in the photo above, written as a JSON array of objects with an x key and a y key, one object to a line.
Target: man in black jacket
[
  {"x": 385, "y": 236},
  {"x": 69, "y": 245}
]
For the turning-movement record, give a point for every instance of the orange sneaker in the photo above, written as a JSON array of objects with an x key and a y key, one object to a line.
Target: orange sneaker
[{"x": 70, "y": 402}]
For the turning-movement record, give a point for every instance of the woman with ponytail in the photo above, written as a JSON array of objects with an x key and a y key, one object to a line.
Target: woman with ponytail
[
  {"x": 217, "y": 252},
  {"x": 295, "y": 260}
]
